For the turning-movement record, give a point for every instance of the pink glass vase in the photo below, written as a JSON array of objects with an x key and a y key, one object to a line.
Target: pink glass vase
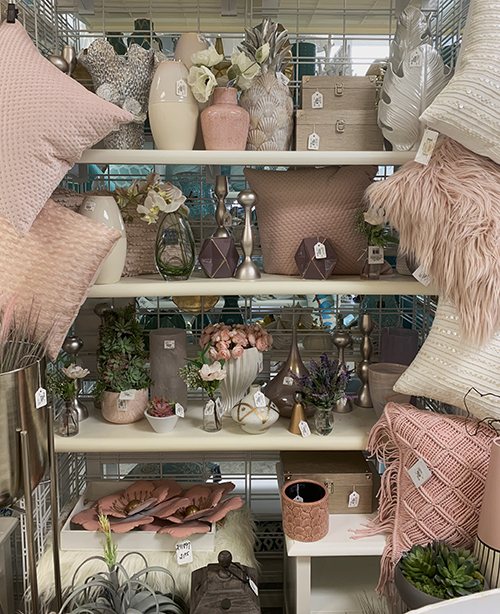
[{"x": 225, "y": 124}]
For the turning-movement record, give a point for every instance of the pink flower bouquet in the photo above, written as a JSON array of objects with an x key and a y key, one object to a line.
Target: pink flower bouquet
[{"x": 226, "y": 342}]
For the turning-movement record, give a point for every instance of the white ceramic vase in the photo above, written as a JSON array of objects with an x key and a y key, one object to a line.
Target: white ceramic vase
[
  {"x": 173, "y": 110},
  {"x": 162, "y": 425},
  {"x": 189, "y": 43},
  {"x": 104, "y": 209},
  {"x": 241, "y": 373},
  {"x": 255, "y": 413}
]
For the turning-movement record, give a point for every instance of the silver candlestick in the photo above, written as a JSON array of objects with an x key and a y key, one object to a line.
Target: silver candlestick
[
  {"x": 342, "y": 340},
  {"x": 247, "y": 270},
  {"x": 72, "y": 345},
  {"x": 220, "y": 192},
  {"x": 366, "y": 327}
]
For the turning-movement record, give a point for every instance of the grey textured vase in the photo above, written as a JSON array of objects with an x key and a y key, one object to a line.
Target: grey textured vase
[{"x": 168, "y": 353}]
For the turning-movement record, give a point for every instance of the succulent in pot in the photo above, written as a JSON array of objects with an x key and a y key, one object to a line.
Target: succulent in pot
[{"x": 161, "y": 415}]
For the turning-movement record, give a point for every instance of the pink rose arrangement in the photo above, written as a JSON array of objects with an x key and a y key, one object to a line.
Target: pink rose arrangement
[{"x": 226, "y": 342}]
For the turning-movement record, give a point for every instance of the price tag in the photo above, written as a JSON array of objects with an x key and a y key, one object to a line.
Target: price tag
[
  {"x": 288, "y": 381},
  {"x": 169, "y": 344},
  {"x": 89, "y": 206},
  {"x": 282, "y": 78},
  {"x": 218, "y": 407},
  {"x": 261, "y": 363},
  {"x": 40, "y": 398},
  {"x": 122, "y": 405},
  {"x": 317, "y": 100},
  {"x": 320, "y": 251},
  {"x": 416, "y": 59},
  {"x": 184, "y": 552},
  {"x": 299, "y": 499},
  {"x": 259, "y": 399},
  {"x": 209, "y": 408},
  {"x": 253, "y": 586},
  {"x": 305, "y": 431},
  {"x": 427, "y": 144},
  {"x": 313, "y": 142},
  {"x": 181, "y": 88},
  {"x": 375, "y": 254},
  {"x": 127, "y": 395},
  {"x": 419, "y": 473},
  {"x": 179, "y": 410},
  {"x": 421, "y": 276},
  {"x": 353, "y": 499}
]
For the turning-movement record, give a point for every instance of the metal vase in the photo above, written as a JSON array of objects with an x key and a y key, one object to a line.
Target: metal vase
[{"x": 18, "y": 412}]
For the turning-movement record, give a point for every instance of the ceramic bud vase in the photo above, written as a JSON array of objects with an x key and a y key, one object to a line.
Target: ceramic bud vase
[
  {"x": 104, "y": 209},
  {"x": 487, "y": 547},
  {"x": 304, "y": 506},
  {"x": 240, "y": 374},
  {"x": 255, "y": 413},
  {"x": 175, "y": 249},
  {"x": 224, "y": 123},
  {"x": 173, "y": 110}
]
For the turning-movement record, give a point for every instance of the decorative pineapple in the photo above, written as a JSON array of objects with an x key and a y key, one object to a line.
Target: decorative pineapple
[{"x": 268, "y": 100}]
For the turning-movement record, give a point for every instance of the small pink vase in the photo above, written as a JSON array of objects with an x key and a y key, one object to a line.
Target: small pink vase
[{"x": 225, "y": 124}]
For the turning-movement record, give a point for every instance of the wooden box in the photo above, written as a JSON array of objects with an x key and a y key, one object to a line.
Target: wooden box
[
  {"x": 339, "y": 130},
  {"x": 341, "y": 93},
  {"x": 342, "y": 473}
]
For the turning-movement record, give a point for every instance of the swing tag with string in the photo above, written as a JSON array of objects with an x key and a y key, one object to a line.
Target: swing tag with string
[
  {"x": 353, "y": 499},
  {"x": 41, "y": 393},
  {"x": 313, "y": 141},
  {"x": 297, "y": 497},
  {"x": 317, "y": 100}
]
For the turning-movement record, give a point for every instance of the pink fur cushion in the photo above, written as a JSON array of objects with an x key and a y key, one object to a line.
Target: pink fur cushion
[
  {"x": 446, "y": 506},
  {"x": 49, "y": 271},
  {"x": 448, "y": 216},
  {"x": 47, "y": 121}
]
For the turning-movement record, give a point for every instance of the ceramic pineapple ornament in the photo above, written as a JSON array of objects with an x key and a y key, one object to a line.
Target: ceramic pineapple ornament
[{"x": 268, "y": 100}]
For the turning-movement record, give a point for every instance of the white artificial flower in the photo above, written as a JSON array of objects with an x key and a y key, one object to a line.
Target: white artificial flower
[
  {"x": 247, "y": 68},
  {"x": 75, "y": 372},
  {"x": 213, "y": 372},
  {"x": 202, "y": 82},
  {"x": 172, "y": 197},
  {"x": 373, "y": 218},
  {"x": 262, "y": 53},
  {"x": 207, "y": 57},
  {"x": 153, "y": 204}
]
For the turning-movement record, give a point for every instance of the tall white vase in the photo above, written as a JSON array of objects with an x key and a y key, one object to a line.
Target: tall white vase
[
  {"x": 104, "y": 209},
  {"x": 189, "y": 43},
  {"x": 173, "y": 110},
  {"x": 241, "y": 373}
]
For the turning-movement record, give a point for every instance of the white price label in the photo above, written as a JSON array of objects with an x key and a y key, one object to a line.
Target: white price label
[
  {"x": 181, "y": 88},
  {"x": 375, "y": 254},
  {"x": 253, "y": 586},
  {"x": 169, "y": 344},
  {"x": 299, "y": 499},
  {"x": 353, "y": 499},
  {"x": 89, "y": 207},
  {"x": 179, "y": 410},
  {"x": 260, "y": 399},
  {"x": 320, "y": 251},
  {"x": 421, "y": 276},
  {"x": 427, "y": 145},
  {"x": 209, "y": 408},
  {"x": 416, "y": 59},
  {"x": 218, "y": 407},
  {"x": 127, "y": 395},
  {"x": 40, "y": 398},
  {"x": 313, "y": 142},
  {"x": 305, "y": 431},
  {"x": 317, "y": 100},
  {"x": 261, "y": 362},
  {"x": 184, "y": 552},
  {"x": 288, "y": 381},
  {"x": 122, "y": 405},
  {"x": 282, "y": 78},
  {"x": 419, "y": 473}
]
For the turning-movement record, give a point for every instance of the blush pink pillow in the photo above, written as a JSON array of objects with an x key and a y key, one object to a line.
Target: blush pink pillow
[
  {"x": 47, "y": 121},
  {"x": 446, "y": 506},
  {"x": 45, "y": 275}
]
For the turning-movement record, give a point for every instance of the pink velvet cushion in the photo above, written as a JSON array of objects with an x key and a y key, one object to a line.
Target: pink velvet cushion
[
  {"x": 447, "y": 505},
  {"x": 50, "y": 270},
  {"x": 47, "y": 120}
]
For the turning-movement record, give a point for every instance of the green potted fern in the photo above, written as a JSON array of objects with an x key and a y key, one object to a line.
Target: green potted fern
[
  {"x": 435, "y": 572},
  {"x": 122, "y": 365}
]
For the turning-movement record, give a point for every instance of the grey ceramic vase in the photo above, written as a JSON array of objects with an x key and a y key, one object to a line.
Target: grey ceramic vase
[
  {"x": 411, "y": 595},
  {"x": 168, "y": 353}
]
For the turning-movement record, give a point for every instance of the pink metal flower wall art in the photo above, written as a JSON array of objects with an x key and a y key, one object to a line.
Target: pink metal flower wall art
[{"x": 162, "y": 506}]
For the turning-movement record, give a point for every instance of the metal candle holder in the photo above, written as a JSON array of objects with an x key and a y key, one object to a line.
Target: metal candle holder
[
  {"x": 221, "y": 192},
  {"x": 72, "y": 345},
  {"x": 342, "y": 339},
  {"x": 247, "y": 270},
  {"x": 366, "y": 327}
]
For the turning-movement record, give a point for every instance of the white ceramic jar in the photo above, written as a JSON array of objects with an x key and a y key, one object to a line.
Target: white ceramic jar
[
  {"x": 189, "y": 43},
  {"x": 104, "y": 209},
  {"x": 255, "y": 413},
  {"x": 173, "y": 110},
  {"x": 162, "y": 425}
]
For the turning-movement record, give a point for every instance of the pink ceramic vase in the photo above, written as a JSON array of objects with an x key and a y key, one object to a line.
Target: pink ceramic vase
[
  {"x": 225, "y": 124},
  {"x": 304, "y": 505}
]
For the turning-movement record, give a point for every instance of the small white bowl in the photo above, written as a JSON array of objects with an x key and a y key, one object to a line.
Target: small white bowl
[{"x": 162, "y": 425}]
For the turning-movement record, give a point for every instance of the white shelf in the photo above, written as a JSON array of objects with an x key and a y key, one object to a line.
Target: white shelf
[
  {"x": 245, "y": 158},
  {"x": 350, "y": 433},
  {"x": 338, "y": 541},
  {"x": 197, "y": 285}
]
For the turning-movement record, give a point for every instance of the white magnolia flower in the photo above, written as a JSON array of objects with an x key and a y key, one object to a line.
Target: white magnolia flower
[
  {"x": 75, "y": 372},
  {"x": 373, "y": 218},
  {"x": 202, "y": 82},
  {"x": 207, "y": 57},
  {"x": 245, "y": 66},
  {"x": 262, "y": 53},
  {"x": 213, "y": 372},
  {"x": 173, "y": 198},
  {"x": 151, "y": 208}
]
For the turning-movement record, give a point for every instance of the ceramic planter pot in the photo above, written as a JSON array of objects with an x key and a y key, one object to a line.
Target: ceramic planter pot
[
  {"x": 162, "y": 425},
  {"x": 253, "y": 417},
  {"x": 305, "y": 520},
  {"x": 381, "y": 378},
  {"x": 124, "y": 410},
  {"x": 411, "y": 595},
  {"x": 224, "y": 123}
]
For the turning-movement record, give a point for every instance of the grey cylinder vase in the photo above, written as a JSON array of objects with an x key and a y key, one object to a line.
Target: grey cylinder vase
[{"x": 168, "y": 353}]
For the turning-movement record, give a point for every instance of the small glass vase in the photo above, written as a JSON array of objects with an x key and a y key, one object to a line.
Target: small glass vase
[
  {"x": 323, "y": 421},
  {"x": 212, "y": 416},
  {"x": 175, "y": 250},
  {"x": 67, "y": 422}
]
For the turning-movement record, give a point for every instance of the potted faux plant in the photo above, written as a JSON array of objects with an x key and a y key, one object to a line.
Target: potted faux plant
[
  {"x": 323, "y": 388},
  {"x": 435, "y": 572},
  {"x": 378, "y": 237},
  {"x": 161, "y": 415},
  {"x": 123, "y": 374}
]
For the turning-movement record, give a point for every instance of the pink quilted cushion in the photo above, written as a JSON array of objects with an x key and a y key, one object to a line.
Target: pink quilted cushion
[
  {"x": 447, "y": 505},
  {"x": 47, "y": 120},
  {"x": 50, "y": 269}
]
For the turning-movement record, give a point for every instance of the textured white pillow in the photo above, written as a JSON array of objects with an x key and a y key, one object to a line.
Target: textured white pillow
[
  {"x": 446, "y": 368},
  {"x": 468, "y": 109}
]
